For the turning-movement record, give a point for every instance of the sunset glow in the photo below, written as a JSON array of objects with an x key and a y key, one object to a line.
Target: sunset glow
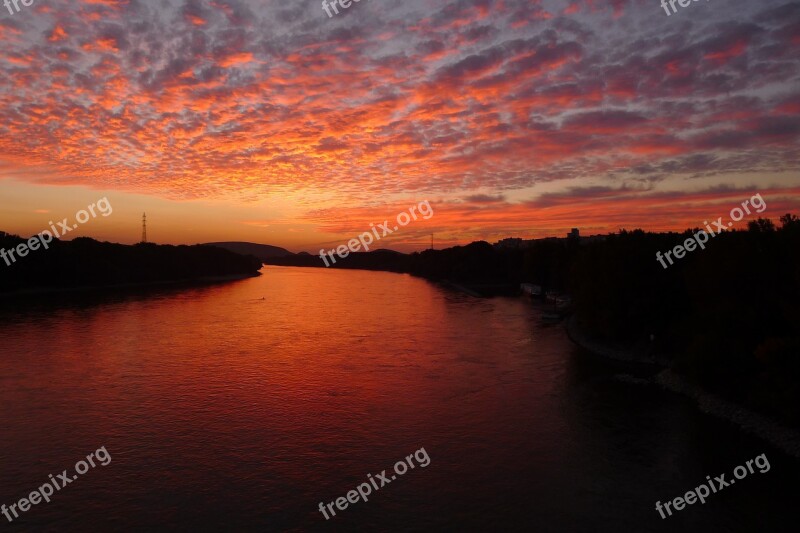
[{"x": 271, "y": 122}]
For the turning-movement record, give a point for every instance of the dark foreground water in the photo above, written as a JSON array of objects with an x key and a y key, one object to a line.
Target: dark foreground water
[{"x": 242, "y": 406}]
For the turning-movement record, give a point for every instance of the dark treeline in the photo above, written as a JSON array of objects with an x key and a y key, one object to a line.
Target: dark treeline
[
  {"x": 85, "y": 262},
  {"x": 728, "y": 316}
]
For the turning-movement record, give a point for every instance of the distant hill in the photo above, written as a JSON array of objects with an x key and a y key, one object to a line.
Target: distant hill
[
  {"x": 262, "y": 251},
  {"x": 84, "y": 262},
  {"x": 381, "y": 259}
]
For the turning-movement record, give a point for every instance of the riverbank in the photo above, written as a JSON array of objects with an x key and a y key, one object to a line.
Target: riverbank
[
  {"x": 780, "y": 436},
  {"x": 639, "y": 354},
  {"x": 47, "y": 291}
]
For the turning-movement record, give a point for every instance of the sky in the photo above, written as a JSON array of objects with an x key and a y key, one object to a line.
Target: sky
[{"x": 271, "y": 122}]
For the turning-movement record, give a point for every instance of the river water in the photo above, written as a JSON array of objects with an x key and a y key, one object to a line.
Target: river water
[{"x": 242, "y": 406}]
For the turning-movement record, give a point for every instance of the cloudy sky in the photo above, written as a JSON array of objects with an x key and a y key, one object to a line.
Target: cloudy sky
[{"x": 271, "y": 122}]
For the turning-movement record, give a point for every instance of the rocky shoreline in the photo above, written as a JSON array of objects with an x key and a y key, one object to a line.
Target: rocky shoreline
[{"x": 780, "y": 436}]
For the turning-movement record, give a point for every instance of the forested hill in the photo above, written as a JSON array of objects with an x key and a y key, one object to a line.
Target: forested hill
[{"x": 85, "y": 262}]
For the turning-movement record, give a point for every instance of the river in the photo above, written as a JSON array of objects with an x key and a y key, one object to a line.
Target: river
[{"x": 241, "y": 406}]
